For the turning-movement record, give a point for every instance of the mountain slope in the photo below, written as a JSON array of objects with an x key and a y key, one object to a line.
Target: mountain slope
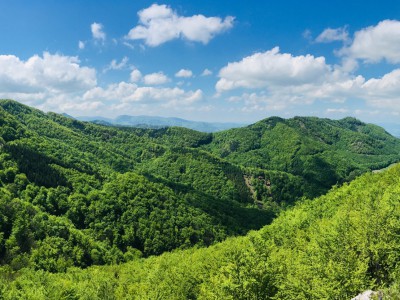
[
  {"x": 79, "y": 194},
  {"x": 332, "y": 247},
  {"x": 322, "y": 151},
  {"x": 94, "y": 182}
]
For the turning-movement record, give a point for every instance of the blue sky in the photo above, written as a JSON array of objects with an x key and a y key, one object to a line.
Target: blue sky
[{"x": 236, "y": 61}]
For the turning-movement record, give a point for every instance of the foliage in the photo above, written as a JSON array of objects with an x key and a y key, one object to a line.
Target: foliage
[
  {"x": 333, "y": 247},
  {"x": 323, "y": 152},
  {"x": 89, "y": 180},
  {"x": 76, "y": 195}
]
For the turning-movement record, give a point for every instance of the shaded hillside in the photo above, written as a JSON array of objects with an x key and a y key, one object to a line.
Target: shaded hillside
[
  {"x": 332, "y": 247},
  {"x": 324, "y": 152}
]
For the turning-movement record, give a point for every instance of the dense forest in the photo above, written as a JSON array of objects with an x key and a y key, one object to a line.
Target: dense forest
[
  {"x": 76, "y": 194},
  {"x": 331, "y": 247}
]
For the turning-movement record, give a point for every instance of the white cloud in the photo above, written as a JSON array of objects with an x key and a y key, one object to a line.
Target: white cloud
[
  {"x": 171, "y": 94},
  {"x": 384, "y": 92},
  {"x": 64, "y": 102},
  {"x": 332, "y": 35},
  {"x": 131, "y": 93},
  {"x": 376, "y": 43},
  {"x": 389, "y": 84},
  {"x": 147, "y": 15},
  {"x": 81, "y": 45},
  {"x": 135, "y": 75},
  {"x": 60, "y": 83},
  {"x": 276, "y": 81},
  {"x": 155, "y": 78},
  {"x": 49, "y": 73},
  {"x": 256, "y": 102},
  {"x": 271, "y": 80},
  {"x": 160, "y": 24},
  {"x": 121, "y": 91},
  {"x": 272, "y": 68},
  {"x": 206, "y": 72},
  {"x": 48, "y": 82},
  {"x": 184, "y": 73},
  {"x": 282, "y": 80},
  {"x": 114, "y": 65},
  {"x": 97, "y": 31}
]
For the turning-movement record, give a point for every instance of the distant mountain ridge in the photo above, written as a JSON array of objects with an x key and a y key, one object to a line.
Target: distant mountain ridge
[
  {"x": 155, "y": 122},
  {"x": 160, "y": 122}
]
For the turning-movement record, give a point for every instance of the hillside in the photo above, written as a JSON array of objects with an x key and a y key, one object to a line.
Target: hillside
[
  {"x": 79, "y": 194},
  {"x": 323, "y": 152},
  {"x": 332, "y": 247},
  {"x": 85, "y": 191}
]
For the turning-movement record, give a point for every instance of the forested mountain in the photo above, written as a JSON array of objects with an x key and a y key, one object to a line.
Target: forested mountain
[
  {"x": 78, "y": 194},
  {"x": 332, "y": 247},
  {"x": 321, "y": 151}
]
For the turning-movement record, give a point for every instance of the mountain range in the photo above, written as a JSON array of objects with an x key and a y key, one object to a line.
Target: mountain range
[
  {"x": 78, "y": 195},
  {"x": 159, "y": 122}
]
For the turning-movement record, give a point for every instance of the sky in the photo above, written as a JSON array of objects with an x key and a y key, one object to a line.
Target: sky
[{"x": 220, "y": 61}]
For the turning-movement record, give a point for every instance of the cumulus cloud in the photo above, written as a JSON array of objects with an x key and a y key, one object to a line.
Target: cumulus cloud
[
  {"x": 48, "y": 82},
  {"x": 276, "y": 81},
  {"x": 132, "y": 93},
  {"x": 384, "y": 92},
  {"x": 68, "y": 102},
  {"x": 332, "y": 35},
  {"x": 47, "y": 73},
  {"x": 280, "y": 80},
  {"x": 155, "y": 78},
  {"x": 376, "y": 43},
  {"x": 272, "y": 68},
  {"x": 386, "y": 85},
  {"x": 184, "y": 73},
  {"x": 159, "y": 24},
  {"x": 121, "y": 91},
  {"x": 135, "y": 75},
  {"x": 97, "y": 31},
  {"x": 60, "y": 83}
]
